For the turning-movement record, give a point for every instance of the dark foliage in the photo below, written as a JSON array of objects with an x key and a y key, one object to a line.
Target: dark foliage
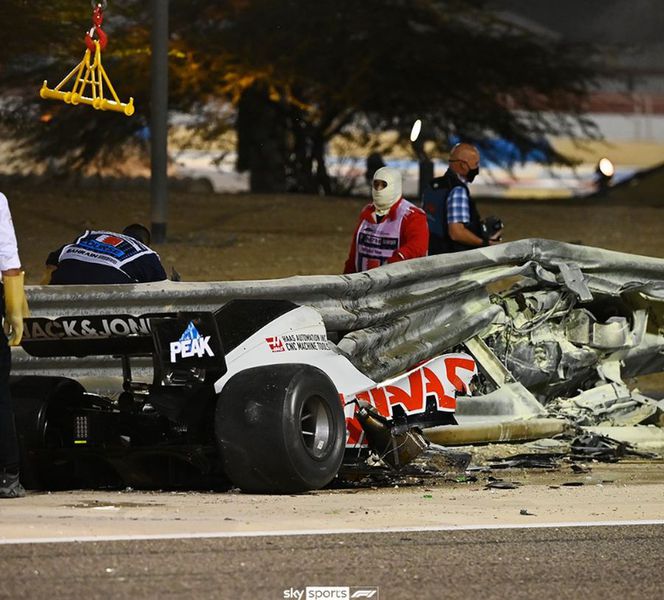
[{"x": 299, "y": 73}]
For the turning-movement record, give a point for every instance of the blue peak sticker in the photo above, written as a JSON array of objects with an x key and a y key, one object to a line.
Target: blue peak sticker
[{"x": 190, "y": 333}]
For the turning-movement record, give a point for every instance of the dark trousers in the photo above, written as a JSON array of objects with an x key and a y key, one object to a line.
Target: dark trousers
[{"x": 8, "y": 441}]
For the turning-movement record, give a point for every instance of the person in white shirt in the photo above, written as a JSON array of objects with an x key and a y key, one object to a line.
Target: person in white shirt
[{"x": 14, "y": 308}]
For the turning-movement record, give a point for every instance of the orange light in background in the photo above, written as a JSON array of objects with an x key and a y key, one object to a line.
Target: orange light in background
[{"x": 46, "y": 118}]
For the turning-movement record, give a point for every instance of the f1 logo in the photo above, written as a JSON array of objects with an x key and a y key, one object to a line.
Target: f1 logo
[{"x": 369, "y": 592}]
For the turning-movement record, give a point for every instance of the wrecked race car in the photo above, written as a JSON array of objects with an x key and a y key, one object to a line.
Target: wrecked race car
[
  {"x": 526, "y": 340},
  {"x": 253, "y": 393}
]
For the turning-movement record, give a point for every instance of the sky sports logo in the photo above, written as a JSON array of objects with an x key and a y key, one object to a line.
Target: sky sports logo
[{"x": 329, "y": 592}]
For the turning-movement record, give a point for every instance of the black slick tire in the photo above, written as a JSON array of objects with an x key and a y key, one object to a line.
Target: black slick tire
[{"x": 280, "y": 429}]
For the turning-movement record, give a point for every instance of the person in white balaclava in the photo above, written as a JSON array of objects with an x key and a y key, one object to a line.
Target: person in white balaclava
[{"x": 390, "y": 229}]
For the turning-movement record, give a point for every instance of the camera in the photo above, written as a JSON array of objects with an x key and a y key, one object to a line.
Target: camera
[{"x": 491, "y": 226}]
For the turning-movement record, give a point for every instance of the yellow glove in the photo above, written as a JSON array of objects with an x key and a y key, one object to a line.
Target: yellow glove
[
  {"x": 16, "y": 307},
  {"x": 48, "y": 273}
]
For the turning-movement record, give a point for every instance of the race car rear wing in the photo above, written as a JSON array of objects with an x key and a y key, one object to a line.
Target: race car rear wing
[
  {"x": 88, "y": 335},
  {"x": 176, "y": 340}
]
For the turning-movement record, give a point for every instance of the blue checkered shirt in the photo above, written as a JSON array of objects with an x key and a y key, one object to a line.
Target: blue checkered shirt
[{"x": 458, "y": 206}]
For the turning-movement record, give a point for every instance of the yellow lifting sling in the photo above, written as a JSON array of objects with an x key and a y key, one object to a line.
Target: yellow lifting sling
[{"x": 90, "y": 72}]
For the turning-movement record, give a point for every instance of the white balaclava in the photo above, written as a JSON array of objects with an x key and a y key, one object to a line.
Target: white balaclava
[{"x": 384, "y": 199}]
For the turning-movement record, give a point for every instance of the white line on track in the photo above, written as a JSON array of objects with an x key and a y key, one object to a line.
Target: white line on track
[{"x": 239, "y": 534}]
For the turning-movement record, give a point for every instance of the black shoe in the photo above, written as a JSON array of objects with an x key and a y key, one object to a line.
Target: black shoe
[{"x": 10, "y": 486}]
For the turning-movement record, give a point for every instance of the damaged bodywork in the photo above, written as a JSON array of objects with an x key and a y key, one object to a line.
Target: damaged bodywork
[
  {"x": 559, "y": 333},
  {"x": 573, "y": 350}
]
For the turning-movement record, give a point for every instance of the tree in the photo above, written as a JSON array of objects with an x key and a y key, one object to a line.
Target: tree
[
  {"x": 301, "y": 72},
  {"x": 320, "y": 68},
  {"x": 45, "y": 42}
]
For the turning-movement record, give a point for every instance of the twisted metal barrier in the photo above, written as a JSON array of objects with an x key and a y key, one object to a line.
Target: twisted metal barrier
[{"x": 385, "y": 319}]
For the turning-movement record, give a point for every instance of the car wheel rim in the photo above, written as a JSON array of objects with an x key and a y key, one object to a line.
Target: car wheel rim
[{"x": 315, "y": 426}]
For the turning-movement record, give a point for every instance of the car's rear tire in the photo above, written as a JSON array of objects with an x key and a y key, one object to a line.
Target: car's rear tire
[{"x": 280, "y": 429}]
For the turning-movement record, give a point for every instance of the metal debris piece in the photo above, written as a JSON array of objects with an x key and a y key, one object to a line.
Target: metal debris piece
[
  {"x": 499, "y": 484},
  {"x": 443, "y": 460},
  {"x": 575, "y": 281},
  {"x": 582, "y": 328},
  {"x": 597, "y": 447},
  {"x": 612, "y": 404},
  {"x": 396, "y": 445},
  {"x": 557, "y": 445},
  {"x": 527, "y": 429},
  {"x": 646, "y": 441},
  {"x": 509, "y": 402}
]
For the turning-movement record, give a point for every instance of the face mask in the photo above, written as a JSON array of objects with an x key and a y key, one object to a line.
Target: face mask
[
  {"x": 384, "y": 199},
  {"x": 472, "y": 173}
]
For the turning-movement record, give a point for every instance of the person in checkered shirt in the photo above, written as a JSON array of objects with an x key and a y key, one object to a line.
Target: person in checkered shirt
[{"x": 454, "y": 221}]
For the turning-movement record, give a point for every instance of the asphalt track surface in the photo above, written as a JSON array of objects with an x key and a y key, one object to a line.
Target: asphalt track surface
[{"x": 540, "y": 562}]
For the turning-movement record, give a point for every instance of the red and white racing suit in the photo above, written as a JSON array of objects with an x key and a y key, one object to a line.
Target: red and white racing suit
[{"x": 401, "y": 234}]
